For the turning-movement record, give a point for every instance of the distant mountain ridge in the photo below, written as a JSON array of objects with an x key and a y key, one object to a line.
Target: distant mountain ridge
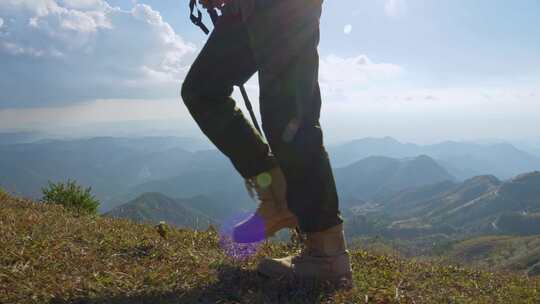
[
  {"x": 156, "y": 207},
  {"x": 377, "y": 175},
  {"x": 10, "y": 138},
  {"x": 120, "y": 169},
  {"x": 479, "y": 206},
  {"x": 461, "y": 159},
  {"x": 363, "y": 180},
  {"x": 111, "y": 166},
  {"x": 521, "y": 194}
]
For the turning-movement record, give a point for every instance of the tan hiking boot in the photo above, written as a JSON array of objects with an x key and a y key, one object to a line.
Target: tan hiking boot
[
  {"x": 324, "y": 259},
  {"x": 272, "y": 214}
]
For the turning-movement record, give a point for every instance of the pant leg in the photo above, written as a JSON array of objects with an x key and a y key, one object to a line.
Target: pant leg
[
  {"x": 226, "y": 60},
  {"x": 284, "y": 35}
]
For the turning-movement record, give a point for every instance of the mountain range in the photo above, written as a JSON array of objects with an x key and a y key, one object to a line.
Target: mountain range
[
  {"x": 376, "y": 175},
  {"x": 121, "y": 169},
  {"x": 111, "y": 166},
  {"x": 463, "y": 160},
  {"x": 155, "y": 207},
  {"x": 478, "y": 206}
]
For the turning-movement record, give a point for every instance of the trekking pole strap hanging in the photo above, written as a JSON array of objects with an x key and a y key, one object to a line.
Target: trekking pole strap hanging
[{"x": 250, "y": 108}]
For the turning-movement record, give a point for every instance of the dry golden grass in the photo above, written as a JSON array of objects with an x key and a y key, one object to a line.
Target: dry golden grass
[{"x": 49, "y": 255}]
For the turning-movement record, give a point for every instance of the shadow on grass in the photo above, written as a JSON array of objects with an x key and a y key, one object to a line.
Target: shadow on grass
[{"x": 234, "y": 285}]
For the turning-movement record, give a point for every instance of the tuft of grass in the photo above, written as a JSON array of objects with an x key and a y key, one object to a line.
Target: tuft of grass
[
  {"x": 50, "y": 255},
  {"x": 72, "y": 196}
]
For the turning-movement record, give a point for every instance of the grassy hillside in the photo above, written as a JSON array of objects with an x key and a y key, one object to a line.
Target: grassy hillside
[
  {"x": 51, "y": 256},
  {"x": 499, "y": 252}
]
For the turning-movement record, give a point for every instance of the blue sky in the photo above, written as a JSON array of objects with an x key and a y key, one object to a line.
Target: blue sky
[
  {"x": 443, "y": 40},
  {"x": 420, "y": 70}
]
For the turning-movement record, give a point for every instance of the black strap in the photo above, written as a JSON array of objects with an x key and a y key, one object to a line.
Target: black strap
[
  {"x": 197, "y": 19},
  {"x": 250, "y": 108},
  {"x": 213, "y": 15}
]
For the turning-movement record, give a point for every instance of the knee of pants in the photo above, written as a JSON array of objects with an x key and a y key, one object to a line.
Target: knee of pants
[
  {"x": 202, "y": 96},
  {"x": 189, "y": 94}
]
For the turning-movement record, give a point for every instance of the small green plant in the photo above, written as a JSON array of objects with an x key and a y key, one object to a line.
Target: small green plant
[{"x": 70, "y": 195}]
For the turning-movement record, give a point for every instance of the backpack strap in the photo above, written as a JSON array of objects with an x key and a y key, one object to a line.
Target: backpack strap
[
  {"x": 213, "y": 15},
  {"x": 197, "y": 19}
]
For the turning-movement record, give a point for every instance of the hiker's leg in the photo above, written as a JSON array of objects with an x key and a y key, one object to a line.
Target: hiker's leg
[
  {"x": 226, "y": 60},
  {"x": 285, "y": 36}
]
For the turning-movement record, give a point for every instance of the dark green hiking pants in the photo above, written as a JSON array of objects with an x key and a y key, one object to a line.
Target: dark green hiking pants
[{"x": 278, "y": 40}]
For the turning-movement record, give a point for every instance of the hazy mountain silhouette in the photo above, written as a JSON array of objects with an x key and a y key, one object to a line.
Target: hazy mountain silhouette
[
  {"x": 461, "y": 159},
  {"x": 223, "y": 186},
  {"x": 377, "y": 175},
  {"x": 350, "y": 152},
  {"x": 156, "y": 207},
  {"x": 532, "y": 149},
  {"x": 111, "y": 166},
  {"x": 10, "y": 138},
  {"x": 119, "y": 169}
]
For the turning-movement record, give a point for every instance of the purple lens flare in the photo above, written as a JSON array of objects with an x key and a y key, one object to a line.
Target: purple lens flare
[{"x": 242, "y": 235}]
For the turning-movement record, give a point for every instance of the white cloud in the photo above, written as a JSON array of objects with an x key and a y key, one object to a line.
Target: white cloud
[
  {"x": 342, "y": 77},
  {"x": 435, "y": 114},
  {"x": 1, "y": 22},
  {"x": 347, "y": 29},
  {"x": 72, "y": 50},
  {"x": 83, "y": 4},
  {"x": 98, "y": 111},
  {"x": 366, "y": 98},
  {"x": 394, "y": 8},
  {"x": 100, "y": 117}
]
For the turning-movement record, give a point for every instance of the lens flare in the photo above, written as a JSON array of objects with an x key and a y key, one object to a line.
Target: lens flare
[
  {"x": 240, "y": 247},
  {"x": 264, "y": 180}
]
